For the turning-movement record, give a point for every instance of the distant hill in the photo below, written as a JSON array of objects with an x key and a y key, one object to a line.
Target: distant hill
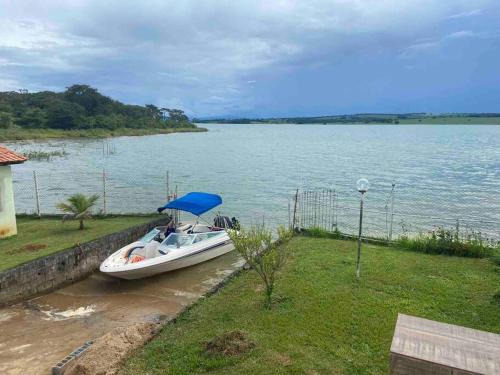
[
  {"x": 370, "y": 118},
  {"x": 82, "y": 107}
]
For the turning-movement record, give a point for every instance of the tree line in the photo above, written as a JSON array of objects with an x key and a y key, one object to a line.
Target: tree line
[
  {"x": 363, "y": 118},
  {"x": 82, "y": 107}
]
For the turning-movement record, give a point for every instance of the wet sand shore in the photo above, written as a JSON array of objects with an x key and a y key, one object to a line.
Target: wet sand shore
[{"x": 39, "y": 332}]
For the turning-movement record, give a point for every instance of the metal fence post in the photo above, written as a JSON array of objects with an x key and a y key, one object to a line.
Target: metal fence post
[
  {"x": 295, "y": 209},
  {"x": 176, "y": 212},
  {"x": 289, "y": 218},
  {"x": 104, "y": 208},
  {"x": 392, "y": 212},
  {"x": 37, "y": 196},
  {"x": 168, "y": 187}
]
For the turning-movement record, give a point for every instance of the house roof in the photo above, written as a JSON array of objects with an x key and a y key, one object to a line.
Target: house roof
[{"x": 10, "y": 157}]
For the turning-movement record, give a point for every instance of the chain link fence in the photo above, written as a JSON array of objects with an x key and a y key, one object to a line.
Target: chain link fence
[
  {"x": 119, "y": 193},
  {"x": 389, "y": 211},
  {"x": 386, "y": 216}
]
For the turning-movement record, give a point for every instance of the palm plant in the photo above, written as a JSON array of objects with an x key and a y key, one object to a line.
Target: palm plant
[{"x": 78, "y": 207}]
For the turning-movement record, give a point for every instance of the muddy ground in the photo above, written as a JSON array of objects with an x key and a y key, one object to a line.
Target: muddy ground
[{"x": 38, "y": 333}]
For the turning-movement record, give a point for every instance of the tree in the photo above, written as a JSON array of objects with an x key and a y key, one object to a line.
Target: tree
[
  {"x": 154, "y": 112},
  {"x": 262, "y": 254},
  {"x": 176, "y": 118},
  {"x": 5, "y": 120},
  {"x": 65, "y": 115},
  {"x": 78, "y": 207},
  {"x": 86, "y": 96},
  {"x": 83, "y": 107},
  {"x": 32, "y": 118}
]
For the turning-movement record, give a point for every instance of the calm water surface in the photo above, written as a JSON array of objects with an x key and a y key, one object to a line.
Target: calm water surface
[{"x": 441, "y": 172}]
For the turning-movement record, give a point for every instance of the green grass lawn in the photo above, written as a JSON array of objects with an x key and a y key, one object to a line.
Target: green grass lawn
[
  {"x": 39, "y": 237},
  {"x": 326, "y": 322}
]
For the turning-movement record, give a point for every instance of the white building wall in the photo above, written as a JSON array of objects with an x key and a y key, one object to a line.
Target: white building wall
[{"x": 7, "y": 210}]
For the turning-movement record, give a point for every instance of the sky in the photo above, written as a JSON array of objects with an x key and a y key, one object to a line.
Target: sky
[{"x": 260, "y": 58}]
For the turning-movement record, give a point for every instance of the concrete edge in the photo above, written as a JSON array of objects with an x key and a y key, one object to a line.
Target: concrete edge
[{"x": 44, "y": 266}]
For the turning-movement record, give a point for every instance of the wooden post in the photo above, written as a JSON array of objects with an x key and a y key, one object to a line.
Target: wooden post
[
  {"x": 289, "y": 214},
  {"x": 176, "y": 214},
  {"x": 168, "y": 187},
  {"x": 104, "y": 208},
  {"x": 37, "y": 197}
]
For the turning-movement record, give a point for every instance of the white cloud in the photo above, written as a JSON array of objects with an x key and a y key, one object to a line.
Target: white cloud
[
  {"x": 471, "y": 13},
  {"x": 461, "y": 34},
  {"x": 430, "y": 44}
]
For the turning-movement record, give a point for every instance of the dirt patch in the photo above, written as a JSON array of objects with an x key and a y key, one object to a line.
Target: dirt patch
[
  {"x": 29, "y": 248},
  {"x": 283, "y": 360},
  {"x": 230, "y": 343},
  {"x": 108, "y": 352}
]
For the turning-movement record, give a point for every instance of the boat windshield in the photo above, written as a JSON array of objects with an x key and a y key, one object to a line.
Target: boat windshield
[
  {"x": 178, "y": 239},
  {"x": 148, "y": 237}
]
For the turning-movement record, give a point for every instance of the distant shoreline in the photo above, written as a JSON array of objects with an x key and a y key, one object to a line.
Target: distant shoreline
[
  {"x": 372, "y": 119},
  {"x": 352, "y": 123},
  {"x": 48, "y": 133}
]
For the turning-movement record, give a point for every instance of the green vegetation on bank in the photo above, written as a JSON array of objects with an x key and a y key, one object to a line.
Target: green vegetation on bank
[
  {"x": 402, "y": 118},
  {"x": 44, "y": 155},
  {"x": 24, "y": 134},
  {"x": 38, "y": 237},
  {"x": 450, "y": 242},
  {"x": 325, "y": 321},
  {"x": 81, "y": 111}
]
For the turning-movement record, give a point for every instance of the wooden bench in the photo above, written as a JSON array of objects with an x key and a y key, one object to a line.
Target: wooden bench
[{"x": 422, "y": 346}]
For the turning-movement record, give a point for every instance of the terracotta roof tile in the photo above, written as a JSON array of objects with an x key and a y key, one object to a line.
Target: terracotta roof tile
[{"x": 10, "y": 157}]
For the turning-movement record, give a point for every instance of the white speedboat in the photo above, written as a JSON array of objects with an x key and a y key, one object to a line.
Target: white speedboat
[{"x": 169, "y": 248}]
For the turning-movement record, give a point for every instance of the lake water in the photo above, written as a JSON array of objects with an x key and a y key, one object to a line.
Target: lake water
[{"x": 442, "y": 173}]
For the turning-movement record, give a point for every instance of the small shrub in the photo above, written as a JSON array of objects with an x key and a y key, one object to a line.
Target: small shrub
[
  {"x": 44, "y": 155},
  {"x": 496, "y": 259},
  {"x": 322, "y": 233},
  {"x": 78, "y": 207},
  {"x": 450, "y": 242},
  {"x": 317, "y": 232},
  {"x": 263, "y": 255},
  {"x": 496, "y": 298}
]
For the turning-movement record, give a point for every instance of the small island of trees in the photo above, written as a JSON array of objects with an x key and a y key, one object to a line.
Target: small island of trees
[{"x": 82, "y": 108}]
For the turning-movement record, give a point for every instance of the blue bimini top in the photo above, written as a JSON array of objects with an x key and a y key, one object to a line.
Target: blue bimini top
[{"x": 194, "y": 202}]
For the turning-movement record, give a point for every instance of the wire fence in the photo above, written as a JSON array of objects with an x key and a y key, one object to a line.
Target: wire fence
[
  {"x": 384, "y": 216},
  {"x": 389, "y": 211},
  {"x": 118, "y": 193}
]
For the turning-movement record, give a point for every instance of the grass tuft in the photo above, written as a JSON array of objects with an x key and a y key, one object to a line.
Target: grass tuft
[
  {"x": 322, "y": 233},
  {"x": 450, "y": 242}
]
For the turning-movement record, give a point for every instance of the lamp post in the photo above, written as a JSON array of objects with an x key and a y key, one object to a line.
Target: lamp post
[{"x": 363, "y": 185}]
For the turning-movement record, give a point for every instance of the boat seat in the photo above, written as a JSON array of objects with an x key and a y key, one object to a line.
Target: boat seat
[
  {"x": 183, "y": 228},
  {"x": 151, "y": 250},
  {"x": 201, "y": 228}
]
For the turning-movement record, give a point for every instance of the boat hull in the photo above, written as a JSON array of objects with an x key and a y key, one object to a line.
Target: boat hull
[{"x": 184, "y": 261}]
